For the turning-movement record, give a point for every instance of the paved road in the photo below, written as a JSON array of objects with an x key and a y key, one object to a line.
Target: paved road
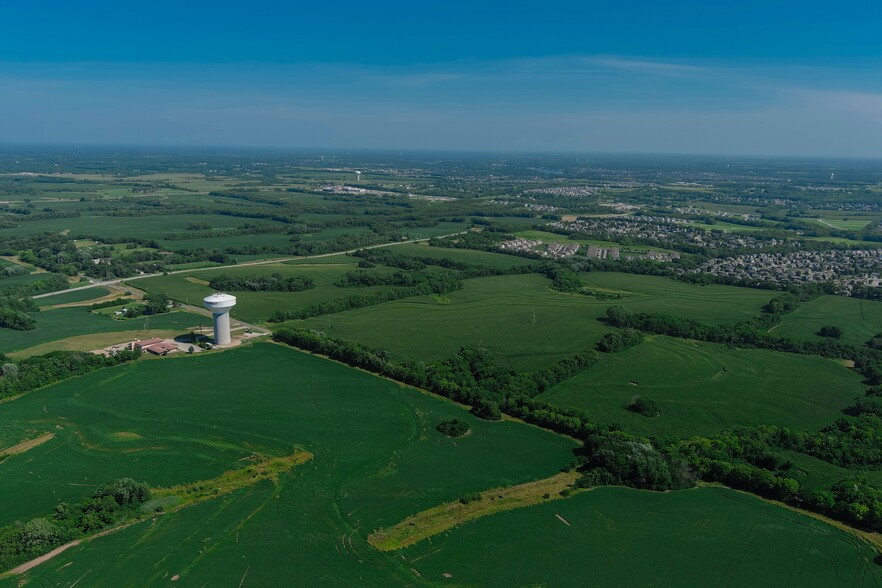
[{"x": 116, "y": 281}]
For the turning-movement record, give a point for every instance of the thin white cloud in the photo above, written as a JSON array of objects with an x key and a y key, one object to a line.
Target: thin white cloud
[
  {"x": 648, "y": 67},
  {"x": 422, "y": 80},
  {"x": 863, "y": 104},
  {"x": 583, "y": 103}
]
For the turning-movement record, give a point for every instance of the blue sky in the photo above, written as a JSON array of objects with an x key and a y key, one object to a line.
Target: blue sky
[{"x": 779, "y": 78}]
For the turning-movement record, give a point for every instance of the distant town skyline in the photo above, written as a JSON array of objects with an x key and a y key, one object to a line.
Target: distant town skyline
[{"x": 799, "y": 79}]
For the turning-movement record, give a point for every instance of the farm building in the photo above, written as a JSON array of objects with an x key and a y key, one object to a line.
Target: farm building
[
  {"x": 161, "y": 348},
  {"x": 147, "y": 343}
]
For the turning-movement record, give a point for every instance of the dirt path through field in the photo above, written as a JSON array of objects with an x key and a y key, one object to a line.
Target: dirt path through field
[
  {"x": 43, "y": 558},
  {"x": 27, "y": 444}
]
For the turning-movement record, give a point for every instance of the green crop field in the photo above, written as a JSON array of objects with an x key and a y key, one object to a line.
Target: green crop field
[
  {"x": 625, "y": 537},
  {"x": 859, "y": 319},
  {"x": 377, "y": 458},
  {"x": 61, "y": 323},
  {"x": 846, "y": 224},
  {"x": 703, "y": 388},
  {"x": 377, "y": 492},
  {"x": 712, "y": 303},
  {"x": 22, "y": 280},
  {"x": 522, "y": 321},
  {"x": 73, "y": 297},
  {"x": 465, "y": 255},
  {"x": 731, "y": 208},
  {"x": 517, "y": 318},
  {"x": 277, "y": 239},
  {"x": 815, "y": 474},
  {"x": 145, "y": 227}
]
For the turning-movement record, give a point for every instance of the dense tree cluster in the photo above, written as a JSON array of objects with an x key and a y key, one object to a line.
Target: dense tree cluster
[
  {"x": 56, "y": 252},
  {"x": 442, "y": 282},
  {"x": 274, "y": 282},
  {"x": 831, "y": 331},
  {"x": 849, "y": 442},
  {"x": 564, "y": 279},
  {"x": 41, "y": 370},
  {"x": 615, "y": 457},
  {"x": 387, "y": 257},
  {"x": 433, "y": 284},
  {"x": 111, "y": 504},
  {"x": 784, "y": 304},
  {"x": 644, "y": 406},
  {"x": 155, "y": 303},
  {"x": 10, "y": 271},
  {"x": 749, "y": 333},
  {"x": 13, "y": 313},
  {"x": 209, "y": 233},
  {"x": 619, "y": 340},
  {"x": 484, "y": 240},
  {"x": 45, "y": 283},
  {"x": 471, "y": 377},
  {"x": 16, "y": 320},
  {"x": 748, "y": 458},
  {"x": 452, "y": 428},
  {"x": 343, "y": 243}
]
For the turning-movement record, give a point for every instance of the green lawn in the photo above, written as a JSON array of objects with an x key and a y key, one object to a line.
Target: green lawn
[
  {"x": 377, "y": 457},
  {"x": 702, "y": 388},
  {"x": 625, "y": 537}
]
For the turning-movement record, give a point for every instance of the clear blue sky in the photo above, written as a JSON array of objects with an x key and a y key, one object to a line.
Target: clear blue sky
[{"x": 773, "y": 77}]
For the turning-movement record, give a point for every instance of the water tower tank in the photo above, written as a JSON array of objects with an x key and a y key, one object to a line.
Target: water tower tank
[{"x": 220, "y": 305}]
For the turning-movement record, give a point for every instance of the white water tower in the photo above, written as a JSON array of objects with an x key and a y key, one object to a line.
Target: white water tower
[{"x": 220, "y": 305}]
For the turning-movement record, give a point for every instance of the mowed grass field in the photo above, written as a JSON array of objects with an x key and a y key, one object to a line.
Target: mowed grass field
[
  {"x": 703, "y": 388},
  {"x": 524, "y": 323},
  {"x": 62, "y": 323},
  {"x": 625, "y": 537},
  {"x": 377, "y": 458},
  {"x": 859, "y": 319}
]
